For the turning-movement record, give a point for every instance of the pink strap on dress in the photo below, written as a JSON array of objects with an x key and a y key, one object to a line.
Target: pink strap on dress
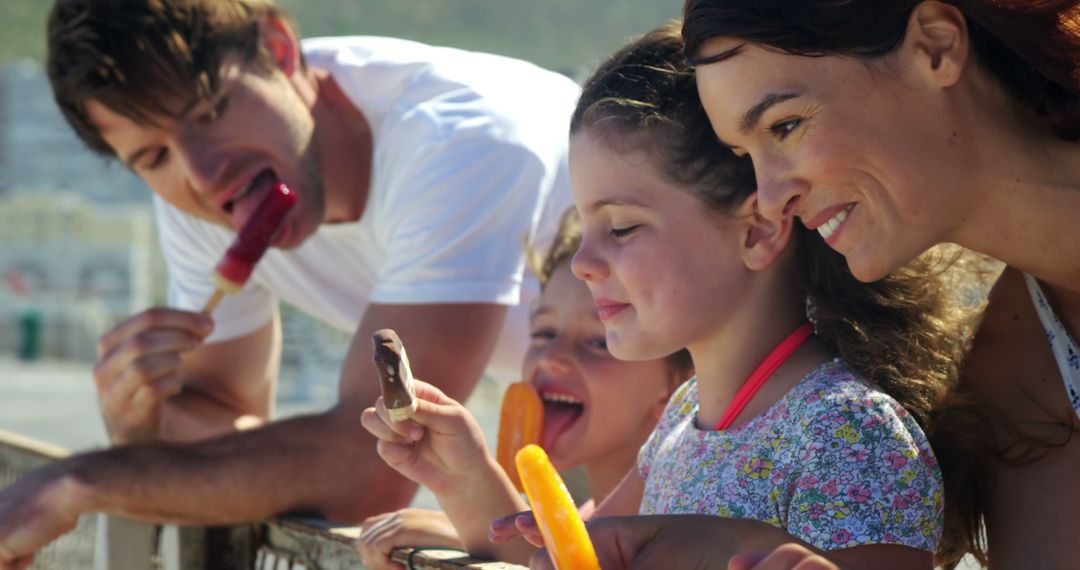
[{"x": 757, "y": 378}]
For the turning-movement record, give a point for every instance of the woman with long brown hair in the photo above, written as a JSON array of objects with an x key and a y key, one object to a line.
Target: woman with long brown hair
[
  {"x": 889, "y": 127},
  {"x": 829, "y": 483}
]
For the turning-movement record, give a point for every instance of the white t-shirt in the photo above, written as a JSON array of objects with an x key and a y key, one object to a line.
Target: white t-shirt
[{"x": 469, "y": 164}]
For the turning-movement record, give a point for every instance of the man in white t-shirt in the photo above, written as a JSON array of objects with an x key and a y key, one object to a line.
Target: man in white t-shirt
[{"x": 420, "y": 172}]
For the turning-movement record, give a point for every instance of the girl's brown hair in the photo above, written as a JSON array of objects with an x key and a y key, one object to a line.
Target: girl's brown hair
[
  {"x": 906, "y": 333},
  {"x": 140, "y": 58}
]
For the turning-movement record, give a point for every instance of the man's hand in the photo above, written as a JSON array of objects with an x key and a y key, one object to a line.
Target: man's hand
[
  {"x": 138, "y": 368},
  {"x": 34, "y": 511}
]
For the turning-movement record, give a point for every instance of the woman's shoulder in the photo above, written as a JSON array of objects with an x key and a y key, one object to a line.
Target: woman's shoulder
[{"x": 1009, "y": 349}]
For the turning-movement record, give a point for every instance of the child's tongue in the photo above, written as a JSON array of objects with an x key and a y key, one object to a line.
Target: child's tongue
[{"x": 558, "y": 418}]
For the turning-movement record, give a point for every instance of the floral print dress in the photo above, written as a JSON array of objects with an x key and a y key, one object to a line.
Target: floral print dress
[{"x": 836, "y": 463}]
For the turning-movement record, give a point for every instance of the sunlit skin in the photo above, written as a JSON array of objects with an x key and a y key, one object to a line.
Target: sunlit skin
[
  {"x": 633, "y": 220},
  {"x": 841, "y": 139},
  {"x": 210, "y": 150},
  {"x": 621, "y": 400}
]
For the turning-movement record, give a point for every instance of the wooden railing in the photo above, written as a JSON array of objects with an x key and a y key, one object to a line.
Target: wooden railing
[{"x": 112, "y": 543}]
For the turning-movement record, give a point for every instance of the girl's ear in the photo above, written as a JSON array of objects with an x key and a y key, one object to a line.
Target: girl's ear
[
  {"x": 764, "y": 239},
  {"x": 281, "y": 43},
  {"x": 936, "y": 43}
]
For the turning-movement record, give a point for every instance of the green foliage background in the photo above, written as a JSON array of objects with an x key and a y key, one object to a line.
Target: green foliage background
[{"x": 566, "y": 35}]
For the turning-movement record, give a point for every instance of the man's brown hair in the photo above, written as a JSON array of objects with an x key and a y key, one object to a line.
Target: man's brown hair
[{"x": 139, "y": 56}]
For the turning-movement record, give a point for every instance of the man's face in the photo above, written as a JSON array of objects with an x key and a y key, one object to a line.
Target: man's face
[{"x": 205, "y": 161}]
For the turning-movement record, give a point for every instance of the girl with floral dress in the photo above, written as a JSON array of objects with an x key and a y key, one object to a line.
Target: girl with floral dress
[{"x": 789, "y": 429}]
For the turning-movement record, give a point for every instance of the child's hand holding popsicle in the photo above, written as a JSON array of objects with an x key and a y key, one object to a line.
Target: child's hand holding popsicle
[
  {"x": 433, "y": 440},
  {"x": 439, "y": 446}
]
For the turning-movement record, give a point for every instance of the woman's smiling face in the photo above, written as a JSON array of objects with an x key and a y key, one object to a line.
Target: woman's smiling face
[{"x": 861, "y": 151}]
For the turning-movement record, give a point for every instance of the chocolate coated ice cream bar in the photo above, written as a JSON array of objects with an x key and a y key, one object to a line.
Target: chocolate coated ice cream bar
[{"x": 395, "y": 377}]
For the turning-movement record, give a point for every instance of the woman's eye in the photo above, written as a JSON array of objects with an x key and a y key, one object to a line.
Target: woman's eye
[
  {"x": 784, "y": 128},
  {"x": 623, "y": 232},
  {"x": 598, "y": 344}
]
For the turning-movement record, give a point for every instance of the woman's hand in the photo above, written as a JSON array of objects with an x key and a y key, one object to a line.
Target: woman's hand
[
  {"x": 521, "y": 524},
  {"x": 406, "y": 527},
  {"x": 786, "y": 557},
  {"x": 690, "y": 542}
]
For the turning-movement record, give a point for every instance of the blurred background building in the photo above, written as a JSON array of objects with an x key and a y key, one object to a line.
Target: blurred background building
[{"x": 79, "y": 251}]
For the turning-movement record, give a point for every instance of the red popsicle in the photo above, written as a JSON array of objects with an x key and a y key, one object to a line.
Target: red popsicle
[{"x": 252, "y": 241}]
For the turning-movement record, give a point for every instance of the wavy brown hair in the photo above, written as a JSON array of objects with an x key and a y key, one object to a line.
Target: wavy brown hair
[
  {"x": 141, "y": 57},
  {"x": 909, "y": 333},
  {"x": 906, "y": 333},
  {"x": 1032, "y": 47}
]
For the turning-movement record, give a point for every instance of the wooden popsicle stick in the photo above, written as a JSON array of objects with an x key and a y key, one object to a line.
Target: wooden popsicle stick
[{"x": 212, "y": 304}]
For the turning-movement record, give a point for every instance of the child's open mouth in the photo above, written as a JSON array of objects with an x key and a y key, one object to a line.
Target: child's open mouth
[{"x": 561, "y": 412}]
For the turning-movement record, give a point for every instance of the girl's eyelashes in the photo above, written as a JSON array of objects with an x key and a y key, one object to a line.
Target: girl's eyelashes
[
  {"x": 623, "y": 232},
  {"x": 596, "y": 343},
  {"x": 540, "y": 335},
  {"x": 782, "y": 129},
  {"x": 599, "y": 343}
]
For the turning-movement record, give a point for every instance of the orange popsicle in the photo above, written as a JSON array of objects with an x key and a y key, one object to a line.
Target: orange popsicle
[
  {"x": 521, "y": 422},
  {"x": 564, "y": 533}
]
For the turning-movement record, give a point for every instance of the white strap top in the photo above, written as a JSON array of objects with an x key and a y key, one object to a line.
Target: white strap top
[{"x": 1066, "y": 352}]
